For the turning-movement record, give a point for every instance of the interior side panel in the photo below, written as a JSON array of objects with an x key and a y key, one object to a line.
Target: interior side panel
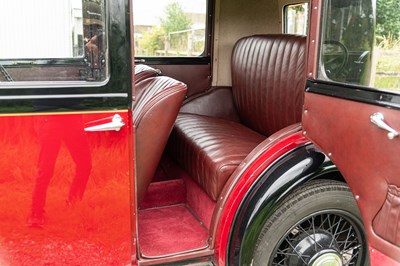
[
  {"x": 342, "y": 129},
  {"x": 196, "y": 77},
  {"x": 234, "y": 20},
  {"x": 218, "y": 102}
]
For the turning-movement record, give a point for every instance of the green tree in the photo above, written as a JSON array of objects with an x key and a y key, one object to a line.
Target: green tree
[
  {"x": 152, "y": 40},
  {"x": 175, "y": 19},
  {"x": 387, "y": 20}
]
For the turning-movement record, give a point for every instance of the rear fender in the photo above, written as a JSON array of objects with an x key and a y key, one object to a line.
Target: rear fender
[{"x": 287, "y": 173}]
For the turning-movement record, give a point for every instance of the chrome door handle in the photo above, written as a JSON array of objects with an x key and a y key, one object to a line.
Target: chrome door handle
[
  {"x": 379, "y": 120},
  {"x": 115, "y": 124}
]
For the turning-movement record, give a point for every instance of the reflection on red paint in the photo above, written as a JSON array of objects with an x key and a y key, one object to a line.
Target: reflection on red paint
[
  {"x": 93, "y": 231},
  {"x": 73, "y": 136}
]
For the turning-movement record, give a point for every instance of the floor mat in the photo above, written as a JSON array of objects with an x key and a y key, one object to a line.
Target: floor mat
[
  {"x": 169, "y": 230},
  {"x": 164, "y": 193}
]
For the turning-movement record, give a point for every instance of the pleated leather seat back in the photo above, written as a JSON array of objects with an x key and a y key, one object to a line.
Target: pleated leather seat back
[
  {"x": 143, "y": 72},
  {"x": 155, "y": 109},
  {"x": 268, "y": 79}
]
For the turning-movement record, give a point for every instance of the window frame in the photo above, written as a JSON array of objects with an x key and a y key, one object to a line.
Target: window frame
[
  {"x": 286, "y": 3},
  {"x": 320, "y": 73},
  {"x": 59, "y": 62},
  {"x": 202, "y": 59}
]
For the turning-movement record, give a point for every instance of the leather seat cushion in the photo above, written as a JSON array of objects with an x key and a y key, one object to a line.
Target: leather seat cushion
[{"x": 210, "y": 149}]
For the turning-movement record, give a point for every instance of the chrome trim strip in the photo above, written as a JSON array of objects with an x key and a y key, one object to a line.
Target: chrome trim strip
[
  {"x": 63, "y": 96},
  {"x": 44, "y": 113},
  {"x": 52, "y": 84}
]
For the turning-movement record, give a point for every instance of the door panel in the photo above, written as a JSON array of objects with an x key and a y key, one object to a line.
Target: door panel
[
  {"x": 366, "y": 157},
  {"x": 66, "y": 158},
  {"x": 87, "y": 208},
  {"x": 353, "y": 81}
]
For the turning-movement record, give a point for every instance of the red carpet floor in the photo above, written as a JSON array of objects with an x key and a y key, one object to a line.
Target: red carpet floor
[
  {"x": 164, "y": 193},
  {"x": 169, "y": 230}
]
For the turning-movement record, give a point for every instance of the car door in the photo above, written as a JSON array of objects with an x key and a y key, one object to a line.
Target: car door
[
  {"x": 352, "y": 109},
  {"x": 66, "y": 133}
]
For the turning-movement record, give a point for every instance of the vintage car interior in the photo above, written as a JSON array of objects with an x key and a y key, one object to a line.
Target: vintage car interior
[
  {"x": 204, "y": 132},
  {"x": 246, "y": 85}
]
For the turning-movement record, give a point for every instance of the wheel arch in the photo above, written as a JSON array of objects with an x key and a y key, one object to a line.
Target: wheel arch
[{"x": 278, "y": 181}]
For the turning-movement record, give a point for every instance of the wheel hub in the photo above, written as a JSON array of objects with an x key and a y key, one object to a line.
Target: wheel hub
[
  {"x": 329, "y": 258},
  {"x": 316, "y": 249}
]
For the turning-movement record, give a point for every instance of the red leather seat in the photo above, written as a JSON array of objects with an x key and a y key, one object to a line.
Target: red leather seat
[
  {"x": 211, "y": 148},
  {"x": 268, "y": 80},
  {"x": 155, "y": 108},
  {"x": 143, "y": 72}
]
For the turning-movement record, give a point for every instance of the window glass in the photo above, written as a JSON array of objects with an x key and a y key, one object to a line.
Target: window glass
[
  {"x": 174, "y": 28},
  {"x": 296, "y": 19},
  {"x": 361, "y": 43},
  {"x": 47, "y": 40}
]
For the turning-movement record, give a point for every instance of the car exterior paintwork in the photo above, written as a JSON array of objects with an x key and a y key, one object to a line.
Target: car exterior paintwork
[
  {"x": 72, "y": 234},
  {"x": 247, "y": 179}
]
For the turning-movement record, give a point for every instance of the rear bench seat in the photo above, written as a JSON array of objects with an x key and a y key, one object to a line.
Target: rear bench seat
[{"x": 268, "y": 80}]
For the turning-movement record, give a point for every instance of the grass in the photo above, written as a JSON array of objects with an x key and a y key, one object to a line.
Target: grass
[
  {"x": 388, "y": 63},
  {"x": 387, "y": 82},
  {"x": 389, "y": 42},
  {"x": 388, "y": 69}
]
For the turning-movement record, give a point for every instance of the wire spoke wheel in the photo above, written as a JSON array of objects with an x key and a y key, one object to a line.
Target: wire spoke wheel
[
  {"x": 324, "y": 237},
  {"x": 319, "y": 224}
]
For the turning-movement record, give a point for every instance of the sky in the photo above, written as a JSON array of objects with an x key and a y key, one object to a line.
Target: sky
[{"x": 148, "y": 12}]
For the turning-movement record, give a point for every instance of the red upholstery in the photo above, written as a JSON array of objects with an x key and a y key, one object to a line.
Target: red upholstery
[
  {"x": 268, "y": 80},
  {"x": 158, "y": 101},
  {"x": 210, "y": 148},
  {"x": 143, "y": 72}
]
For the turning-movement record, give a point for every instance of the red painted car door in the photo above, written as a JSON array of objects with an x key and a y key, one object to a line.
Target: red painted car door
[
  {"x": 66, "y": 133},
  {"x": 352, "y": 111}
]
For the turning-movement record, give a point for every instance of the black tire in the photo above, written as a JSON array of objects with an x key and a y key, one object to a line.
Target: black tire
[{"x": 318, "y": 223}]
